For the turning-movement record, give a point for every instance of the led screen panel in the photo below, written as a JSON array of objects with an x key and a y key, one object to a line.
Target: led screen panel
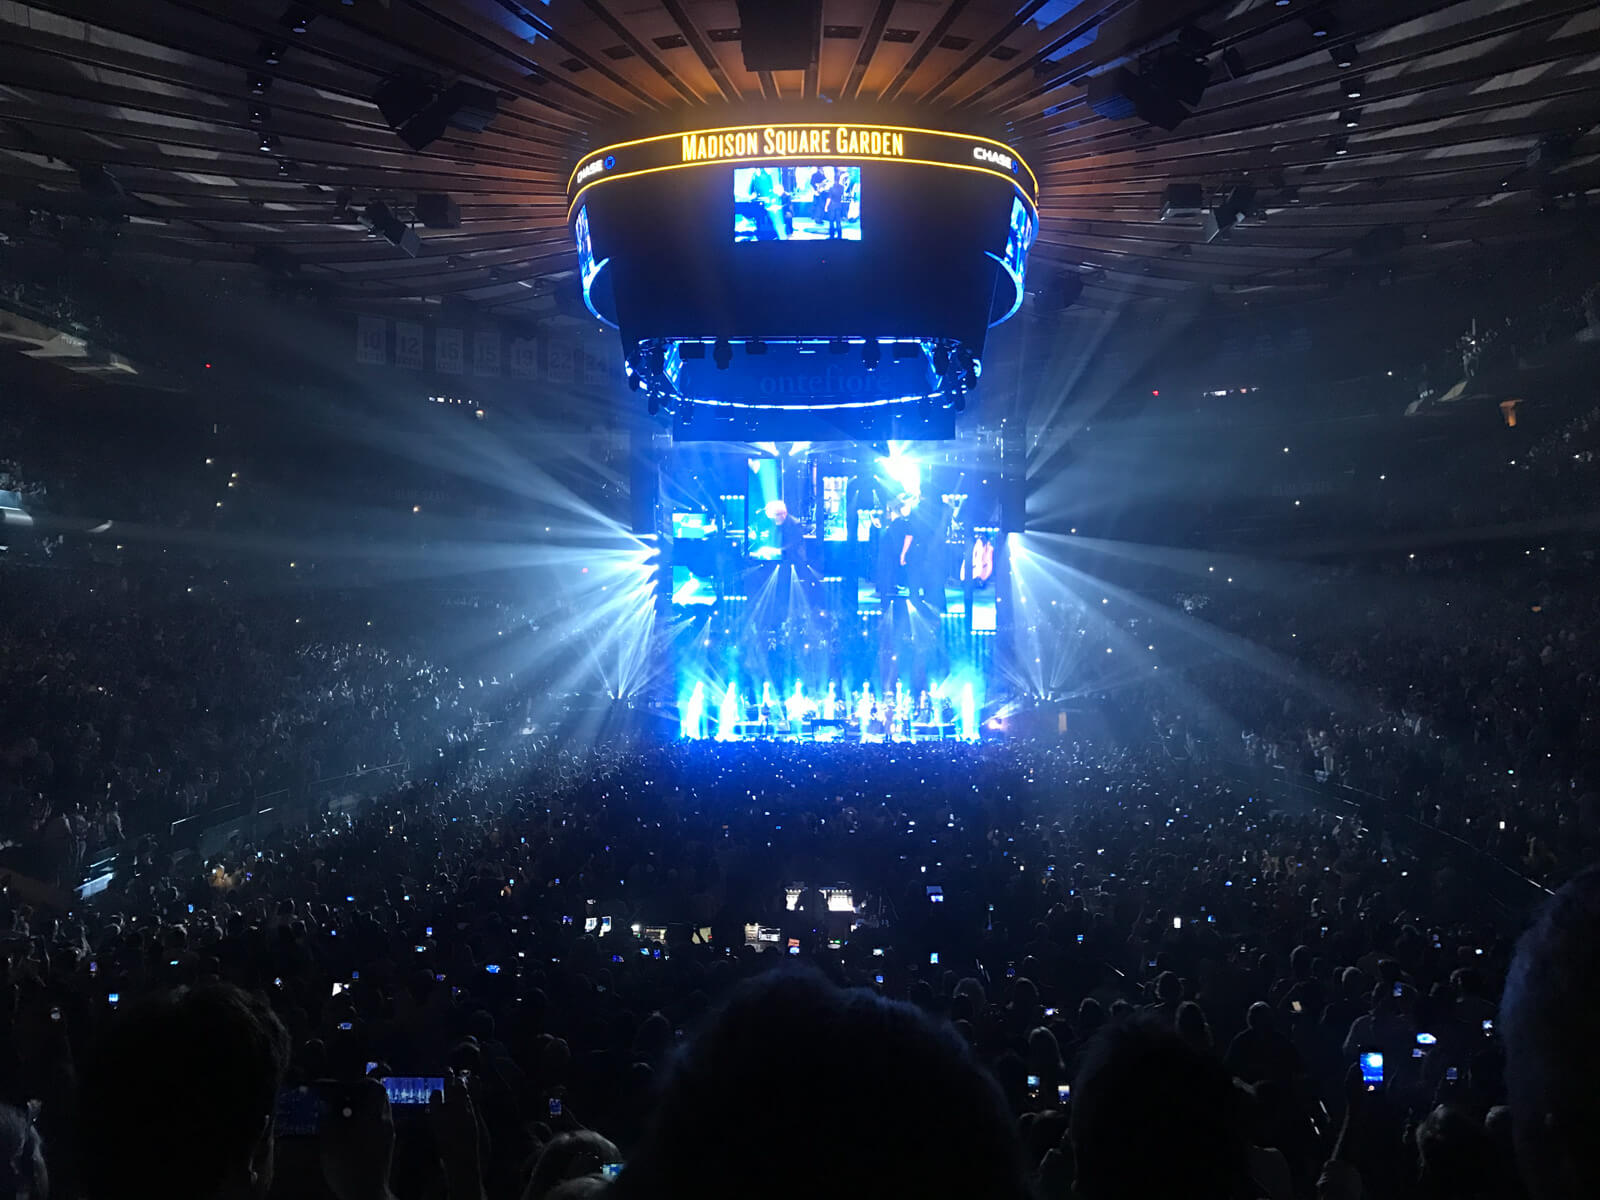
[
  {"x": 778, "y": 202},
  {"x": 691, "y": 525},
  {"x": 835, "y": 515},
  {"x": 690, "y": 587},
  {"x": 585, "y": 244},
  {"x": 1019, "y": 239},
  {"x": 766, "y": 508}
]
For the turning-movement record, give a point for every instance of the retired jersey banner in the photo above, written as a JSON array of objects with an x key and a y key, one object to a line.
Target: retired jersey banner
[
  {"x": 523, "y": 358},
  {"x": 372, "y": 341},
  {"x": 408, "y": 345},
  {"x": 486, "y": 352},
  {"x": 448, "y": 357}
]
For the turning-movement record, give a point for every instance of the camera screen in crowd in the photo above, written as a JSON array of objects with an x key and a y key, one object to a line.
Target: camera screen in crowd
[
  {"x": 412, "y": 1089},
  {"x": 781, "y": 203}
]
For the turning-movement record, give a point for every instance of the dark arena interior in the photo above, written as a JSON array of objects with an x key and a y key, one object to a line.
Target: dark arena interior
[{"x": 827, "y": 599}]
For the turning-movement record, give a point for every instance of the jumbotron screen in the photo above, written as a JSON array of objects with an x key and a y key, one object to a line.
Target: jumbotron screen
[{"x": 804, "y": 266}]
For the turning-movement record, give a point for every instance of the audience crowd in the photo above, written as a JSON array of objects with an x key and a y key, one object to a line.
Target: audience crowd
[
  {"x": 1132, "y": 965},
  {"x": 125, "y": 708},
  {"x": 1471, "y": 709},
  {"x": 1016, "y": 968}
]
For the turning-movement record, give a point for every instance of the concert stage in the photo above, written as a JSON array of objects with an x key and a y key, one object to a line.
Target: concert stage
[
  {"x": 846, "y": 592},
  {"x": 897, "y": 720}
]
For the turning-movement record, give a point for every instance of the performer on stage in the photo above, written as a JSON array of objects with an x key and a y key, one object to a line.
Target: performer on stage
[
  {"x": 795, "y": 709},
  {"x": 872, "y": 729}
]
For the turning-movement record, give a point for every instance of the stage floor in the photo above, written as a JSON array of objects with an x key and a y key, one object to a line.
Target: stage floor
[{"x": 835, "y": 731}]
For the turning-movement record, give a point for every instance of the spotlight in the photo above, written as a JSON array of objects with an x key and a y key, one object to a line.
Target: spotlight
[
  {"x": 286, "y": 166},
  {"x": 1353, "y": 87},
  {"x": 1344, "y": 57},
  {"x": 271, "y": 53},
  {"x": 260, "y": 114},
  {"x": 755, "y": 346},
  {"x": 296, "y": 18},
  {"x": 722, "y": 354},
  {"x": 1322, "y": 24},
  {"x": 268, "y": 143},
  {"x": 258, "y": 84},
  {"x": 1337, "y": 145},
  {"x": 871, "y": 354},
  {"x": 1350, "y": 118}
]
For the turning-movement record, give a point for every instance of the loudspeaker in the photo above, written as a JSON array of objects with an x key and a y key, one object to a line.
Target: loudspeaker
[
  {"x": 644, "y": 485},
  {"x": 470, "y": 107},
  {"x": 1060, "y": 292},
  {"x": 1013, "y": 503},
  {"x": 437, "y": 210},
  {"x": 400, "y": 97},
  {"x": 780, "y": 35}
]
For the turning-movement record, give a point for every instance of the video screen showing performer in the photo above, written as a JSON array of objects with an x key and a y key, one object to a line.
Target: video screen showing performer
[
  {"x": 782, "y": 203},
  {"x": 1019, "y": 239},
  {"x": 585, "y": 245},
  {"x": 787, "y": 532},
  {"x": 927, "y": 538}
]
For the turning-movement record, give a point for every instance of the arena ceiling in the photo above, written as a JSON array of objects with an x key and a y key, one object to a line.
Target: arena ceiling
[{"x": 147, "y": 120}]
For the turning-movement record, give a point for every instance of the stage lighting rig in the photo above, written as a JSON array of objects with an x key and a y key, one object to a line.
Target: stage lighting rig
[
  {"x": 1238, "y": 204},
  {"x": 829, "y": 268},
  {"x": 380, "y": 219}
]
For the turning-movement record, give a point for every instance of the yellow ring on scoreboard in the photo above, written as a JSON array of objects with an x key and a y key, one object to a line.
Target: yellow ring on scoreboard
[{"x": 832, "y": 142}]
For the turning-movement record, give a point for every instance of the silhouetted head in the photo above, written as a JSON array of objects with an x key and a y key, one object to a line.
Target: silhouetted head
[
  {"x": 1550, "y": 1022},
  {"x": 178, "y": 1100},
  {"x": 797, "y": 1089},
  {"x": 1152, "y": 1116}
]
